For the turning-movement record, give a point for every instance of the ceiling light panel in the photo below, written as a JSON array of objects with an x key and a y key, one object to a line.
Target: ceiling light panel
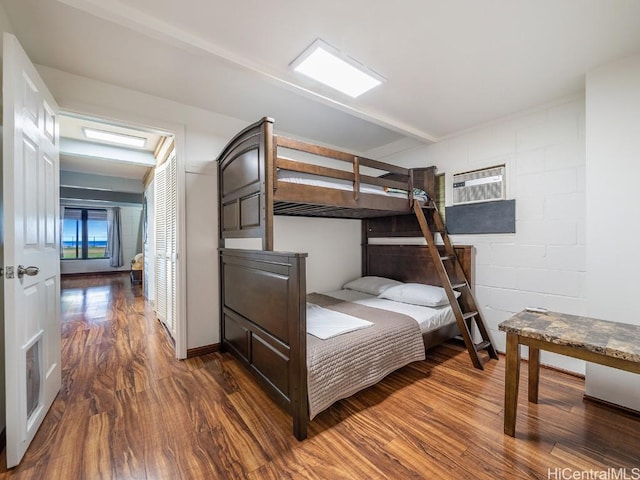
[
  {"x": 116, "y": 138},
  {"x": 329, "y": 66}
]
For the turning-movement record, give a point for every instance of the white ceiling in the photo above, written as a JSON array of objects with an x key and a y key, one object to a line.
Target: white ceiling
[
  {"x": 79, "y": 154},
  {"x": 72, "y": 126},
  {"x": 449, "y": 64}
]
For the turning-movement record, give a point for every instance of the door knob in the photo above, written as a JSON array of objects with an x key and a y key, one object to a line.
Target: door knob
[{"x": 31, "y": 271}]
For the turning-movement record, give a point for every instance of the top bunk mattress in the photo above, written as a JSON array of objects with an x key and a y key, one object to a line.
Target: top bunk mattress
[{"x": 301, "y": 178}]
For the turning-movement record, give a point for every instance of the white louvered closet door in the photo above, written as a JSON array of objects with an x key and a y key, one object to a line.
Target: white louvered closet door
[
  {"x": 166, "y": 244},
  {"x": 161, "y": 242},
  {"x": 172, "y": 250}
]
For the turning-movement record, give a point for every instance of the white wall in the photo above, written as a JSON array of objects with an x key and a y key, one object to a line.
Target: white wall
[
  {"x": 131, "y": 218},
  {"x": 333, "y": 245},
  {"x": 613, "y": 229},
  {"x": 543, "y": 263},
  {"x": 202, "y": 247}
]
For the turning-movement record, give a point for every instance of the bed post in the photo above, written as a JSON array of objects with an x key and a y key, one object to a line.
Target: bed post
[
  {"x": 425, "y": 179},
  {"x": 299, "y": 395},
  {"x": 269, "y": 156}
]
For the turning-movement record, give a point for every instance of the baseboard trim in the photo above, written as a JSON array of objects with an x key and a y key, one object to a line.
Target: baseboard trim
[
  {"x": 203, "y": 350},
  {"x": 627, "y": 410},
  {"x": 88, "y": 274}
]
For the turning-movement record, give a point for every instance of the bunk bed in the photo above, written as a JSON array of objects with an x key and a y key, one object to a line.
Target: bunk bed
[
  {"x": 263, "y": 293},
  {"x": 257, "y": 180}
]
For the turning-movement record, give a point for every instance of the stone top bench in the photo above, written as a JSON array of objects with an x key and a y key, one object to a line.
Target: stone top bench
[{"x": 613, "y": 339}]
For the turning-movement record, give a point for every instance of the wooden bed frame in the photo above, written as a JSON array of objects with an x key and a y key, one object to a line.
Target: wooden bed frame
[
  {"x": 250, "y": 193},
  {"x": 263, "y": 318},
  {"x": 263, "y": 293}
]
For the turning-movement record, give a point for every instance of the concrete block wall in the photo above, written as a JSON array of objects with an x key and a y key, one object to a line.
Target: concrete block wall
[{"x": 544, "y": 262}]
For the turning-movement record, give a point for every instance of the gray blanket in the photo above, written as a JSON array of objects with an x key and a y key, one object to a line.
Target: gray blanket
[{"x": 345, "y": 364}]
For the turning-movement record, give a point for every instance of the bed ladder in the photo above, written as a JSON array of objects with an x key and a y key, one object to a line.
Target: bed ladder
[{"x": 453, "y": 279}]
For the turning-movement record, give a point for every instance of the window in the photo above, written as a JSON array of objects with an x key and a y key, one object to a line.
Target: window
[{"x": 84, "y": 234}]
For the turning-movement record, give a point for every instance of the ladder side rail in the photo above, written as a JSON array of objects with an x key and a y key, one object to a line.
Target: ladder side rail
[
  {"x": 465, "y": 302},
  {"x": 446, "y": 284},
  {"x": 467, "y": 296},
  {"x": 435, "y": 253},
  {"x": 449, "y": 248},
  {"x": 459, "y": 274}
]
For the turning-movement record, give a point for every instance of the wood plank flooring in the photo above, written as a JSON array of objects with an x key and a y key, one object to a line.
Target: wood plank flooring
[{"x": 129, "y": 410}]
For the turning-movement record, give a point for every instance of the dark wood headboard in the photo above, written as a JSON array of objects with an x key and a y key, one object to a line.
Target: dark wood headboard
[
  {"x": 411, "y": 263},
  {"x": 242, "y": 182}
]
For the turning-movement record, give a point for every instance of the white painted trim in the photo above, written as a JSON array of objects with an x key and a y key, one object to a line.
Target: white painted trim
[
  {"x": 181, "y": 307},
  {"x": 179, "y": 130}
]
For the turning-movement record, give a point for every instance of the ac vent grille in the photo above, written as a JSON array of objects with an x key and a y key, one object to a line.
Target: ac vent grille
[{"x": 479, "y": 186}]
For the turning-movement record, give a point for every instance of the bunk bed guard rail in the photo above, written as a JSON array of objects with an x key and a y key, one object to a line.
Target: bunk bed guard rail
[{"x": 250, "y": 192}]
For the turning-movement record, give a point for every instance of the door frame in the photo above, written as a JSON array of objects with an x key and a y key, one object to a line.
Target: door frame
[{"x": 178, "y": 130}]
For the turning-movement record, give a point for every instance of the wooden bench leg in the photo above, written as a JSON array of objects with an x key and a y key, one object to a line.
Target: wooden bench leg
[
  {"x": 534, "y": 373},
  {"x": 512, "y": 379}
]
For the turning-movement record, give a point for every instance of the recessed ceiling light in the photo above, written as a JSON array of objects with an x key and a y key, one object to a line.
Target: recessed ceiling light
[
  {"x": 329, "y": 66},
  {"x": 112, "y": 137}
]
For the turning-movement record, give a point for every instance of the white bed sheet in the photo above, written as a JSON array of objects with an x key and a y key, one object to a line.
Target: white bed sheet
[
  {"x": 328, "y": 182},
  {"x": 324, "y": 323},
  {"x": 428, "y": 318}
]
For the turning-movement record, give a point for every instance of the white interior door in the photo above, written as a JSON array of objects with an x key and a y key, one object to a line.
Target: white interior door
[{"x": 31, "y": 249}]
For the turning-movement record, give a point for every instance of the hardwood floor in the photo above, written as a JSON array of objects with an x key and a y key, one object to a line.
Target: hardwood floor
[{"x": 129, "y": 410}]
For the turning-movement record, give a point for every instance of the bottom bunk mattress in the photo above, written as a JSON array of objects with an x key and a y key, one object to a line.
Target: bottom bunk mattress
[
  {"x": 344, "y": 364},
  {"x": 428, "y": 318}
]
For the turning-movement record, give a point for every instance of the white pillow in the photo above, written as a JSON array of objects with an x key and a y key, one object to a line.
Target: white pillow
[
  {"x": 371, "y": 285},
  {"x": 418, "y": 294}
]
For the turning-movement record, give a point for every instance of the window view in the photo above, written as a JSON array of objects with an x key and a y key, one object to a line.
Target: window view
[{"x": 84, "y": 234}]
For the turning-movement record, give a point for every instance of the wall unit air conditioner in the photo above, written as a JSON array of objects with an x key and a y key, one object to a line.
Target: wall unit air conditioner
[{"x": 479, "y": 185}]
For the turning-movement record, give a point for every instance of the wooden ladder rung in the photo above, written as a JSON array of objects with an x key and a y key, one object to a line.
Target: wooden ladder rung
[
  {"x": 468, "y": 301},
  {"x": 469, "y": 315}
]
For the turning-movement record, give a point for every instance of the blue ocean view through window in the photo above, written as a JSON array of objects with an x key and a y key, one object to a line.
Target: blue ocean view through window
[
  {"x": 84, "y": 234},
  {"x": 96, "y": 243}
]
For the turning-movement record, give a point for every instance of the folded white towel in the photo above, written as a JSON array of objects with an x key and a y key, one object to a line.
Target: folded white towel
[{"x": 324, "y": 323}]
